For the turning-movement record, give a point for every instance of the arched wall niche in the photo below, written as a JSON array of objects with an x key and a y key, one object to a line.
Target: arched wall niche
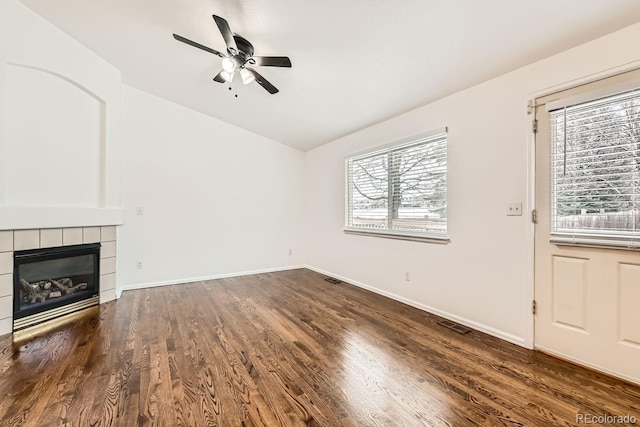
[{"x": 54, "y": 145}]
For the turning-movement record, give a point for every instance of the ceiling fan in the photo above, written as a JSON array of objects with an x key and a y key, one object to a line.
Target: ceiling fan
[{"x": 239, "y": 58}]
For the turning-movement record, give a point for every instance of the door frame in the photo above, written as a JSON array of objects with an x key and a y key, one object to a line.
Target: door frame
[{"x": 529, "y": 114}]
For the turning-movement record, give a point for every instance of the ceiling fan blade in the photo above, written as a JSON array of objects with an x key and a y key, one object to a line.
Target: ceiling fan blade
[
  {"x": 227, "y": 35},
  {"x": 272, "y": 61},
  {"x": 262, "y": 81},
  {"x": 198, "y": 45}
]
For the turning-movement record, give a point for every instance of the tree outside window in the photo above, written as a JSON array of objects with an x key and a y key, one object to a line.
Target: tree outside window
[
  {"x": 596, "y": 166},
  {"x": 402, "y": 188}
]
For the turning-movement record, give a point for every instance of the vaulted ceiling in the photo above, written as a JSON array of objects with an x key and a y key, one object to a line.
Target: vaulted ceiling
[{"x": 355, "y": 63}]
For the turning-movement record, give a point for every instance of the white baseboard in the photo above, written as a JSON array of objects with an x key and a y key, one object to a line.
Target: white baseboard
[
  {"x": 203, "y": 278},
  {"x": 520, "y": 341},
  {"x": 595, "y": 367}
]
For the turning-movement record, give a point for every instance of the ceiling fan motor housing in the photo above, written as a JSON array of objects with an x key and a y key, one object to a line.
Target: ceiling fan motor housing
[{"x": 245, "y": 49}]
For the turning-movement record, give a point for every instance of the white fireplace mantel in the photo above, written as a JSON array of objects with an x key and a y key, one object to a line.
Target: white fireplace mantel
[{"x": 28, "y": 217}]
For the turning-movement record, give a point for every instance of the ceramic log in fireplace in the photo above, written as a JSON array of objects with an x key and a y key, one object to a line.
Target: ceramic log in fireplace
[{"x": 52, "y": 282}]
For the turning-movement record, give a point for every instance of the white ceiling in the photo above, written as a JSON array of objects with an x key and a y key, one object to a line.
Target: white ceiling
[{"x": 355, "y": 63}]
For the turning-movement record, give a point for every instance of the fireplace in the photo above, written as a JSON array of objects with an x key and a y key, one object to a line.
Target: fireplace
[{"x": 53, "y": 282}]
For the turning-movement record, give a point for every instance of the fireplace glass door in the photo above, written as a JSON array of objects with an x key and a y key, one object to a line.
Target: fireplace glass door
[{"x": 45, "y": 279}]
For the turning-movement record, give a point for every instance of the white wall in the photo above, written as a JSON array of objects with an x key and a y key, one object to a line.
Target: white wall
[
  {"x": 216, "y": 200},
  {"x": 59, "y": 127},
  {"x": 484, "y": 276}
]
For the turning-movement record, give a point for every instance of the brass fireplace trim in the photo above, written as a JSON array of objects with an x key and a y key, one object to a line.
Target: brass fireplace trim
[{"x": 34, "y": 319}]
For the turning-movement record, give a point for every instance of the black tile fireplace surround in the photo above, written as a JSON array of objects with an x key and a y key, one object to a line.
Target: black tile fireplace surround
[{"x": 52, "y": 282}]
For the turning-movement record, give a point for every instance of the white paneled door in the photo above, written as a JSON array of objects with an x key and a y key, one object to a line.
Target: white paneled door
[{"x": 587, "y": 247}]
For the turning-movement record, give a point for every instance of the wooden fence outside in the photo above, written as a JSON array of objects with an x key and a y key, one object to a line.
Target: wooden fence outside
[{"x": 627, "y": 220}]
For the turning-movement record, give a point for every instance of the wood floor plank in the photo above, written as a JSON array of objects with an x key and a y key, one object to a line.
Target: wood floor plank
[{"x": 288, "y": 349}]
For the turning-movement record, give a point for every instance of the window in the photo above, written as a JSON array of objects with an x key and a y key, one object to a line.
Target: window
[
  {"x": 595, "y": 168},
  {"x": 400, "y": 191}
]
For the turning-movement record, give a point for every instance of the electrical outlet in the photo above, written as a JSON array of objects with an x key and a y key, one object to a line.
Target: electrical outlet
[
  {"x": 139, "y": 265},
  {"x": 407, "y": 276},
  {"x": 139, "y": 210},
  {"x": 514, "y": 209},
  {"x": 290, "y": 252}
]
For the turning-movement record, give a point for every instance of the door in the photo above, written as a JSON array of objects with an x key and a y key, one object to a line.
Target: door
[{"x": 587, "y": 242}]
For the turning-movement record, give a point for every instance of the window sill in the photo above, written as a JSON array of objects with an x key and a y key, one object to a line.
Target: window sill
[{"x": 414, "y": 237}]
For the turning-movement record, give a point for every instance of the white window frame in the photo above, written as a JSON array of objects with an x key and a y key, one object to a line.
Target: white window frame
[
  {"x": 430, "y": 237},
  {"x": 597, "y": 237}
]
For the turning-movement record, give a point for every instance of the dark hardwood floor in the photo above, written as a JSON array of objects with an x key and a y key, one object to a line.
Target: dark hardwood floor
[{"x": 286, "y": 349}]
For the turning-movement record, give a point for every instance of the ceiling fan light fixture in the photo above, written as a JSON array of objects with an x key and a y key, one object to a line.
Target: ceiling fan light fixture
[
  {"x": 227, "y": 76},
  {"x": 247, "y": 77},
  {"x": 229, "y": 65}
]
